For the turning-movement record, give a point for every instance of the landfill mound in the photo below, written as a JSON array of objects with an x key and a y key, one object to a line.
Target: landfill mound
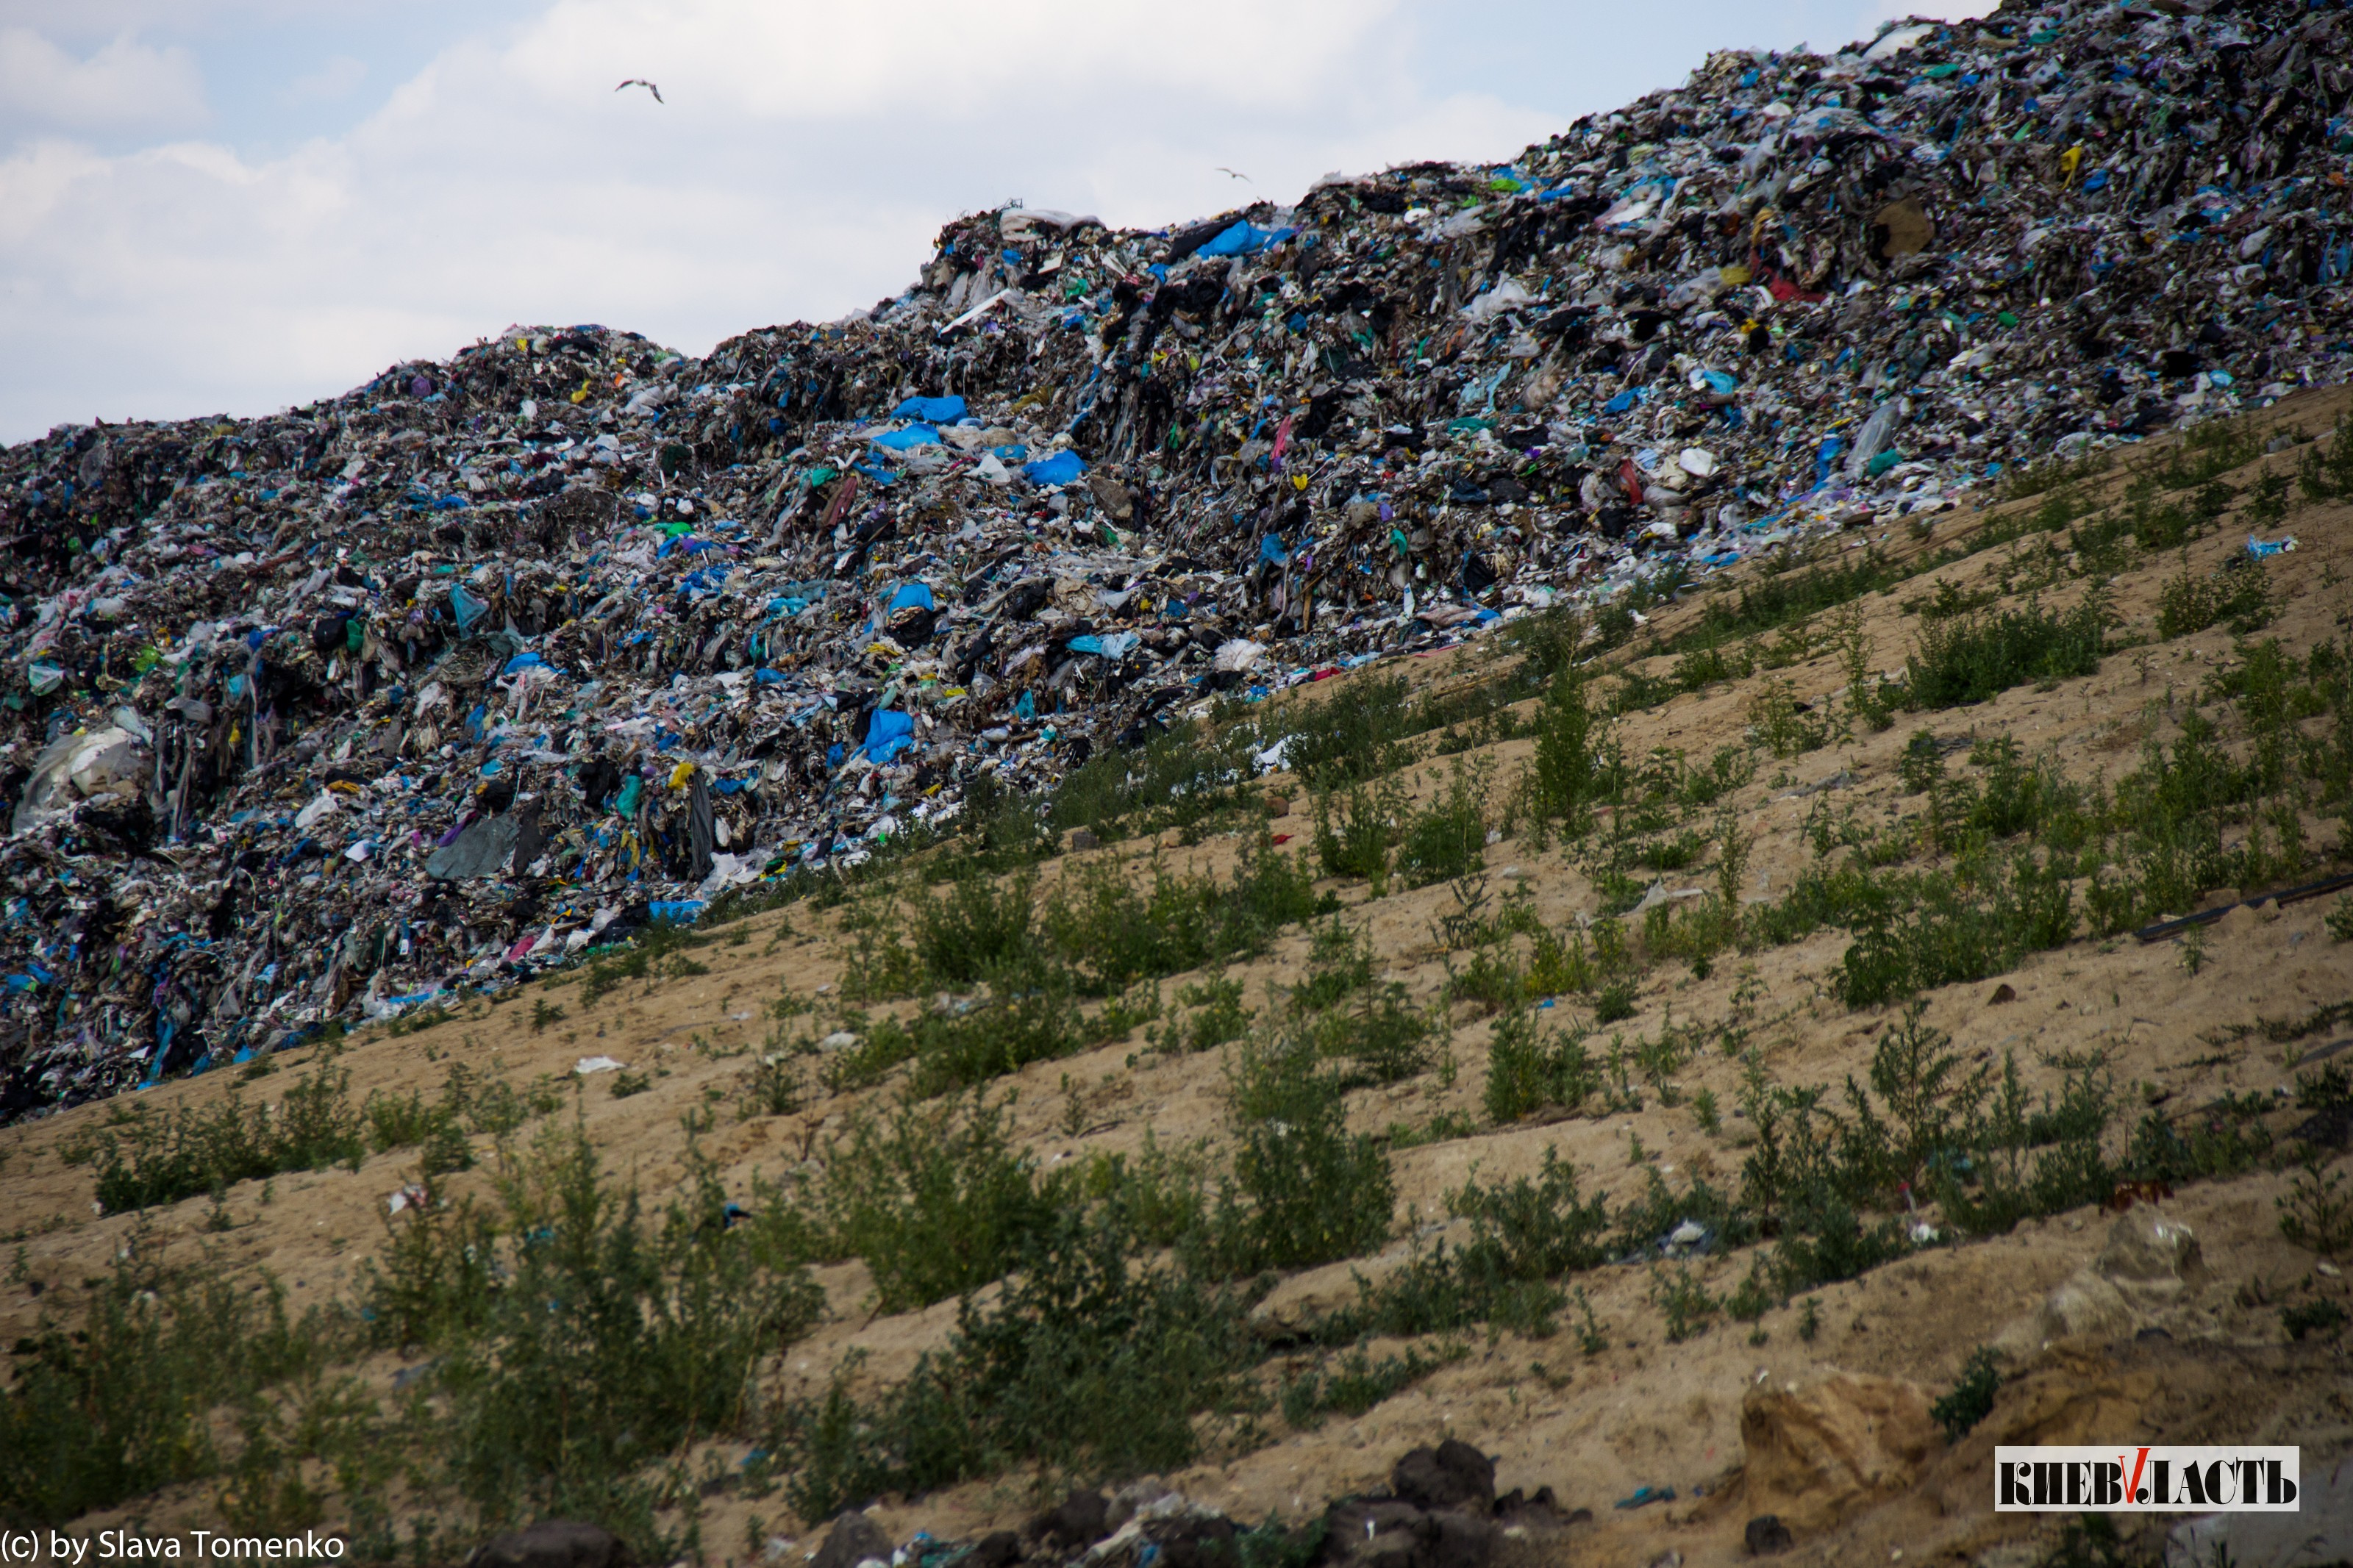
[{"x": 317, "y": 717}]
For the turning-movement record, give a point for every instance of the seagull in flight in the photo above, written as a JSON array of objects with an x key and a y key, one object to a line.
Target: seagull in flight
[
  {"x": 640, "y": 82},
  {"x": 1237, "y": 173}
]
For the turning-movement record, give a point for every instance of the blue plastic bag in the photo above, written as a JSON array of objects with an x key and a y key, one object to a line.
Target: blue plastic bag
[
  {"x": 911, "y": 437},
  {"x": 1244, "y": 238},
  {"x": 938, "y": 410},
  {"x": 914, "y": 596},
  {"x": 891, "y": 734},
  {"x": 1060, "y": 468},
  {"x": 465, "y": 606}
]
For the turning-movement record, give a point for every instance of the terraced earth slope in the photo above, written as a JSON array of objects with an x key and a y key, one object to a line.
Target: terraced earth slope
[{"x": 1710, "y": 1055}]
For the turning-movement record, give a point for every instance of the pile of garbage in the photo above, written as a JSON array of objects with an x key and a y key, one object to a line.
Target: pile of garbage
[{"x": 320, "y": 716}]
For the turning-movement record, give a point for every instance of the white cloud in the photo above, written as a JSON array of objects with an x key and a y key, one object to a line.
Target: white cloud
[
  {"x": 335, "y": 80},
  {"x": 123, "y": 85}
]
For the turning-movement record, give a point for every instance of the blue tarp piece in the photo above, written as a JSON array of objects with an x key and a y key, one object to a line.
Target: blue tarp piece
[
  {"x": 891, "y": 734},
  {"x": 938, "y": 410},
  {"x": 1825, "y": 457},
  {"x": 914, "y": 596},
  {"x": 911, "y": 437},
  {"x": 1060, "y": 468},
  {"x": 1244, "y": 238},
  {"x": 675, "y": 911},
  {"x": 1110, "y": 645}
]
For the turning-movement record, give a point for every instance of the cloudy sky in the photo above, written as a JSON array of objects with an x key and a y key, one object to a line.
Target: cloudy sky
[{"x": 231, "y": 205}]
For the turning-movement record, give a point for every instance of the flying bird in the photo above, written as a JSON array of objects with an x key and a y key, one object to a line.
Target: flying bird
[
  {"x": 640, "y": 82},
  {"x": 1237, "y": 173}
]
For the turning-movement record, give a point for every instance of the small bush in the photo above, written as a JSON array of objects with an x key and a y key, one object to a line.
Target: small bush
[
  {"x": 1348, "y": 1016},
  {"x": 1217, "y": 1017},
  {"x": 1112, "y": 934},
  {"x": 935, "y": 1199},
  {"x": 1572, "y": 767},
  {"x": 2238, "y": 594},
  {"x": 2320, "y": 1316},
  {"x": 1447, "y": 839},
  {"x": 151, "y": 1159},
  {"x": 1971, "y": 1399},
  {"x": 1352, "y": 1384},
  {"x": 1304, "y": 1190},
  {"x": 1683, "y": 1301},
  {"x": 1356, "y": 832},
  {"x": 1971, "y": 657},
  {"x": 1090, "y": 1362},
  {"x": 1527, "y": 1069},
  {"x": 119, "y": 1405},
  {"x": 610, "y": 1342},
  {"x": 978, "y": 929},
  {"x": 1353, "y": 733},
  {"x": 2317, "y": 1211}
]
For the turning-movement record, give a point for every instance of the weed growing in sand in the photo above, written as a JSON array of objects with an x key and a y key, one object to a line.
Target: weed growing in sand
[
  {"x": 935, "y": 1198},
  {"x": 1348, "y": 1016},
  {"x": 1089, "y": 1361},
  {"x": 1352, "y": 1383},
  {"x": 145, "y": 1159},
  {"x": 1971, "y": 1399},
  {"x": 2317, "y": 1211},
  {"x": 1683, "y": 1301},
  {"x": 1529, "y": 1068},
  {"x": 1357, "y": 831},
  {"x": 1970, "y": 658},
  {"x": 2237, "y": 595},
  {"x": 1304, "y": 1189},
  {"x": 2320, "y": 1316},
  {"x": 1447, "y": 839}
]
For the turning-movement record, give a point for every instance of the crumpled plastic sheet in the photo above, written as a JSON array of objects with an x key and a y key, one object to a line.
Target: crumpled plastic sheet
[{"x": 324, "y": 714}]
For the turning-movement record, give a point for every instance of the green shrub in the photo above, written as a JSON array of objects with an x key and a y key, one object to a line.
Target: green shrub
[
  {"x": 1089, "y": 1363},
  {"x": 936, "y": 1199},
  {"x": 2239, "y": 594},
  {"x": 1303, "y": 1190},
  {"x": 1346, "y": 1014},
  {"x": 608, "y": 1343},
  {"x": 1352, "y": 1384},
  {"x": 1915, "y": 933},
  {"x": 978, "y": 929},
  {"x": 1527, "y": 1068},
  {"x": 1183, "y": 779},
  {"x": 1971, "y": 1399},
  {"x": 149, "y": 1159},
  {"x": 120, "y": 1405},
  {"x": 1354, "y": 832},
  {"x": 2317, "y": 1211},
  {"x": 1448, "y": 837},
  {"x": 1352, "y": 732},
  {"x": 1683, "y": 1301},
  {"x": 1110, "y": 934},
  {"x": 1572, "y": 767},
  {"x": 2328, "y": 478},
  {"x": 1971, "y": 657},
  {"x": 2321, "y": 1316}
]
